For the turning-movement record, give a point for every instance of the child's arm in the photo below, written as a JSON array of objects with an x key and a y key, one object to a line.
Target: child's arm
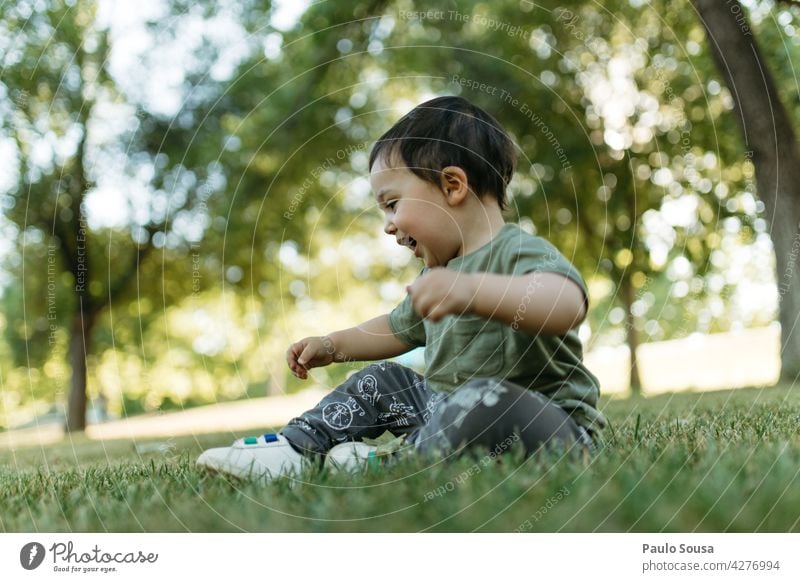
[
  {"x": 534, "y": 303},
  {"x": 371, "y": 340}
]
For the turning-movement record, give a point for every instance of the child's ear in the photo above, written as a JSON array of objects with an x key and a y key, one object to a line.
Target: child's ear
[{"x": 454, "y": 185}]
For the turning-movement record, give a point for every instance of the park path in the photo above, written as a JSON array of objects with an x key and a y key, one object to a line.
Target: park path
[{"x": 254, "y": 413}]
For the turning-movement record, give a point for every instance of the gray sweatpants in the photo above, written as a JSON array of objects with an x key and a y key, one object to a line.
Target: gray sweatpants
[{"x": 486, "y": 413}]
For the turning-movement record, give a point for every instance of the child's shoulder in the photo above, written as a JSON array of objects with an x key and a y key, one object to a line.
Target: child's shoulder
[{"x": 517, "y": 237}]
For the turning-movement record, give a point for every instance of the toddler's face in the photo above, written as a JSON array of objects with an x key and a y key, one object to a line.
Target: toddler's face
[{"x": 416, "y": 214}]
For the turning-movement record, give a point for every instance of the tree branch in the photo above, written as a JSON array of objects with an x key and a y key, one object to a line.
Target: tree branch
[{"x": 758, "y": 108}]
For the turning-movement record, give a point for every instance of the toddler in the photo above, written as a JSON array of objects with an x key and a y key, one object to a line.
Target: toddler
[{"x": 495, "y": 308}]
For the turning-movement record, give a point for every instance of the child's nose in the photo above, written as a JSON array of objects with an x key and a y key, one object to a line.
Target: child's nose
[{"x": 389, "y": 227}]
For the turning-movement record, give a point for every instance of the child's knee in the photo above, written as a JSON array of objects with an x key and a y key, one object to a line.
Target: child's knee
[
  {"x": 489, "y": 392},
  {"x": 489, "y": 411}
]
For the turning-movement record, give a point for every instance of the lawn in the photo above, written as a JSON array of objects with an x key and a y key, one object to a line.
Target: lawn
[{"x": 713, "y": 461}]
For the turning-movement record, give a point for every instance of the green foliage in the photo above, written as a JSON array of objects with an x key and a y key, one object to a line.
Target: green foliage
[
  {"x": 67, "y": 265},
  {"x": 724, "y": 461}
]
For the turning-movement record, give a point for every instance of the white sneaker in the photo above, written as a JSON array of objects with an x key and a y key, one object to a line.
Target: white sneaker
[
  {"x": 351, "y": 457},
  {"x": 268, "y": 456}
]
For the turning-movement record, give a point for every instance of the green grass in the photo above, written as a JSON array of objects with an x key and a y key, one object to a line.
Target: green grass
[{"x": 722, "y": 461}]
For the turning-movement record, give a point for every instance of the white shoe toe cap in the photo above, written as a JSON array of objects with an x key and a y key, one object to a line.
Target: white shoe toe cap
[{"x": 252, "y": 462}]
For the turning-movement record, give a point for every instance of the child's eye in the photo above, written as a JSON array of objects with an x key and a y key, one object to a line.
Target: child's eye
[{"x": 391, "y": 205}]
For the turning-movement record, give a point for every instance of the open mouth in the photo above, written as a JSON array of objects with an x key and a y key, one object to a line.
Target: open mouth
[{"x": 409, "y": 242}]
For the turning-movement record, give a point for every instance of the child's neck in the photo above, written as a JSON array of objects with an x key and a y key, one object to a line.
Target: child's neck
[{"x": 482, "y": 226}]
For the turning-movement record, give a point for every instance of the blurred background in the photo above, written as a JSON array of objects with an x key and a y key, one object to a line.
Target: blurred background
[{"x": 184, "y": 188}]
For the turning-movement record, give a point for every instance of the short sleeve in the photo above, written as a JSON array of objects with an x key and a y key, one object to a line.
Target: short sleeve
[
  {"x": 406, "y": 324},
  {"x": 535, "y": 254}
]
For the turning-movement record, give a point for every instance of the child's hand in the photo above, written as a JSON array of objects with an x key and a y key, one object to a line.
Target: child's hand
[
  {"x": 441, "y": 292},
  {"x": 310, "y": 352}
]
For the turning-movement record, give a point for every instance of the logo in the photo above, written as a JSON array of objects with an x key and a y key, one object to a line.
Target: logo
[
  {"x": 31, "y": 555},
  {"x": 368, "y": 387},
  {"x": 337, "y": 415}
]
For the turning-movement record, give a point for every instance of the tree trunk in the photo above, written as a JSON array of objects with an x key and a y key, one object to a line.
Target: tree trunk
[
  {"x": 79, "y": 344},
  {"x": 628, "y": 298},
  {"x": 769, "y": 137}
]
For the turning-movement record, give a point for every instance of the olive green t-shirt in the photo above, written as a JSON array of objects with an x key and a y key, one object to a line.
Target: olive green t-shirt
[{"x": 459, "y": 348}]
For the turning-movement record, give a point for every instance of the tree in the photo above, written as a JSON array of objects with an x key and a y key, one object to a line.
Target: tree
[
  {"x": 59, "y": 89},
  {"x": 769, "y": 134}
]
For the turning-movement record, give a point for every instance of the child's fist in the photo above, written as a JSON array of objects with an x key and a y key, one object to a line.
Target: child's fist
[
  {"x": 441, "y": 292},
  {"x": 309, "y": 352}
]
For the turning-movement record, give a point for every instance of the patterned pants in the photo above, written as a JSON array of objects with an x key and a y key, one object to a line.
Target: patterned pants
[{"x": 483, "y": 413}]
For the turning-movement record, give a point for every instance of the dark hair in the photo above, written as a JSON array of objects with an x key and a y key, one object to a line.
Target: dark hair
[{"x": 451, "y": 131}]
